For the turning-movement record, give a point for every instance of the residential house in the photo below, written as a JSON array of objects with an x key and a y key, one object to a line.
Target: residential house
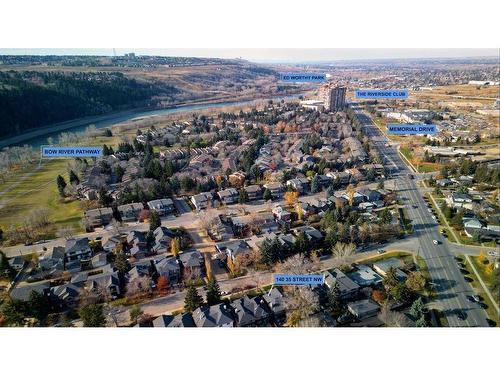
[
  {"x": 251, "y": 312},
  {"x": 370, "y": 195},
  {"x": 17, "y": 263},
  {"x": 274, "y": 300},
  {"x": 348, "y": 289},
  {"x": 220, "y": 315},
  {"x": 276, "y": 189},
  {"x": 233, "y": 248},
  {"x": 253, "y": 191},
  {"x": 130, "y": 212},
  {"x": 202, "y": 200},
  {"x": 162, "y": 206},
  {"x": 65, "y": 295},
  {"x": 111, "y": 243},
  {"x": 363, "y": 309},
  {"x": 169, "y": 268},
  {"x": 99, "y": 216},
  {"x": 184, "y": 320},
  {"x": 301, "y": 185},
  {"x": 163, "y": 239},
  {"x": 365, "y": 276},
  {"x": 228, "y": 196},
  {"x": 383, "y": 266},
  {"x": 77, "y": 249},
  {"x": 192, "y": 262},
  {"x": 104, "y": 281},
  {"x": 281, "y": 213},
  {"x": 23, "y": 292},
  {"x": 459, "y": 200}
]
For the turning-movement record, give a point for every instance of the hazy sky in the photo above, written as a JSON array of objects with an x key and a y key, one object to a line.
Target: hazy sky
[{"x": 271, "y": 54}]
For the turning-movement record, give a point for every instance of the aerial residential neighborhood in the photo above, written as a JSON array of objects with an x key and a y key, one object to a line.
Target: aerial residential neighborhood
[{"x": 186, "y": 216}]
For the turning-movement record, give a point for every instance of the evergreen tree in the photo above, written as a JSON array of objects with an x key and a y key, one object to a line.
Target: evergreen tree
[
  {"x": 193, "y": 300},
  {"x": 267, "y": 195},
  {"x": 243, "y": 198},
  {"x": 213, "y": 292},
  {"x": 154, "y": 220},
  {"x": 121, "y": 263},
  {"x": 315, "y": 184},
  {"x": 119, "y": 172},
  {"x": 73, "y": 178},
  {"x": 417, "y": 309},
  {"x": 104, "y": 199},
  {"x": 333, "y": 303},
  {"x": 93, "y": 316},
  {"x": 61, "y": 185}
]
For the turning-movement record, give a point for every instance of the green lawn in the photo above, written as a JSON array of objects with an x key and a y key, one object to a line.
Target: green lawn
[{"x": 40, "y": 191}]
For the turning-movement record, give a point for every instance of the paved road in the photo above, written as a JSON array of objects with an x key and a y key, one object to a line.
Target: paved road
[{"x": 451, "y": 288}]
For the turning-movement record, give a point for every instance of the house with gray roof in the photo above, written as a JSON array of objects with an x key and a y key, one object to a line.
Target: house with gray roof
[
  {"x": 276, "y": 304},
  {"x": 65, "y": 295},
  {"x": 99, "y": 216},
  {"x": 77, "y": 249},
  {"x": 22, "y": 293},
  {"x": 106, "y": 281},
  {"x": 253, "y": 191},
  {"x": 111, "y": 243},
  {"x": 202, "y": 200},
  {"x": 163, "y": 206},
  {"x": 233, "y": 248},
  {"x": 220, "y": 315},
  {"x": 173, "y": 321},
  {"x": 363, "y": 309},
  {"x": 168, "y": 268},
  {"x": 130, "y": 211},
  {"x": 348, "y": 289},
  {"x": 192, "y": 261},
  {"x": 17, "y": 263},
  {"x": 228, "y": 196},
  {"x": 251, "y": 312}
]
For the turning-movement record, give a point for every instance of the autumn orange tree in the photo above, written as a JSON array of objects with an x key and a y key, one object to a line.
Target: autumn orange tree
[
  {"x": 162, "y": 284},
  {"x": 291, "y": 197}
]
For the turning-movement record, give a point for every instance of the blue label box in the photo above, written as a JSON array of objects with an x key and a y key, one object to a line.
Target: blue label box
[
  {"x": 411, "y": 129},
  {"x": 381, "y": 94},
  {"x": 299, "y": 279},
  {"x": 303, "y": 77},
  {"x": 70, "y": 152}
]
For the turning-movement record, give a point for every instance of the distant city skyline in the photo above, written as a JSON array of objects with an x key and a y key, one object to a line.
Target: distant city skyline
[{"x": 272, "y": 55}]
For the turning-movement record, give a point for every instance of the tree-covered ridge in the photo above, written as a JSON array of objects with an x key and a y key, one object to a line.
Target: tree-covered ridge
[{"x": 29, "y": 100}]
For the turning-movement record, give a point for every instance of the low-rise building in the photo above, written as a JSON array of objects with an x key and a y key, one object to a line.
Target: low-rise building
[
  {"x": 363, "y": 309},
  {"x": 99, "y": 216},
  {"x": 220, "y": 315},
  {"x": 162, "y": 206},
  {"x": 202, "y": 200},
  {"x": 130, "y": 212},
  {"x": 348, "y": 289},
  {"x": 228, "y": 196}
]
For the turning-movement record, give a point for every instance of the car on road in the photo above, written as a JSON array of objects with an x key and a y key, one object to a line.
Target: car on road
[
  {"x": 98, "y": 238},
  {"x": 435, "y": 242},
  {"x": 28, "y": 243},
  {"x": 475, "y": 298},
  {"x": 381, "y": 251},
  {"x": 493, "y": 253},
  {"x": 415, "y": 206},
  {"x": 461, "y": 315}
]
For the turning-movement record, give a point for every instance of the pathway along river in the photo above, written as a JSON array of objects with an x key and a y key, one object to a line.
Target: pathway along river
[{"x": 79, "y": 125}]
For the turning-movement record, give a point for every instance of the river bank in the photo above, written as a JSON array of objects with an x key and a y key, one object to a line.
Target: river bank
[{"x": 38, "y": 137}]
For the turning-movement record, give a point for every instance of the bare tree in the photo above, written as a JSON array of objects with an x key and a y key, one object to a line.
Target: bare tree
[
  {"x": 392, "y": 318},
  {"x": 138, "y": 286},
  {"x": 66, "y": 232}
]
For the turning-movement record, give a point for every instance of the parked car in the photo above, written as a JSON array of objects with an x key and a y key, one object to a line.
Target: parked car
[
  {"x": 461, "y": 315},
  {"x": 381, "y": 251},
  {"x": 475, "y": 298},
  {"x": 435, "y": 242},
  {"x": 493, "y": 253}
]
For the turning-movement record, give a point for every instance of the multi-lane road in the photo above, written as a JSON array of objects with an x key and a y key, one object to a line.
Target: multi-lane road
[{"x": 452, "y": 290}]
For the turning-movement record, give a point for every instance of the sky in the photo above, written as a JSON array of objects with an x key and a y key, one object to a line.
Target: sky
[{"x": 286, "y": 55}]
